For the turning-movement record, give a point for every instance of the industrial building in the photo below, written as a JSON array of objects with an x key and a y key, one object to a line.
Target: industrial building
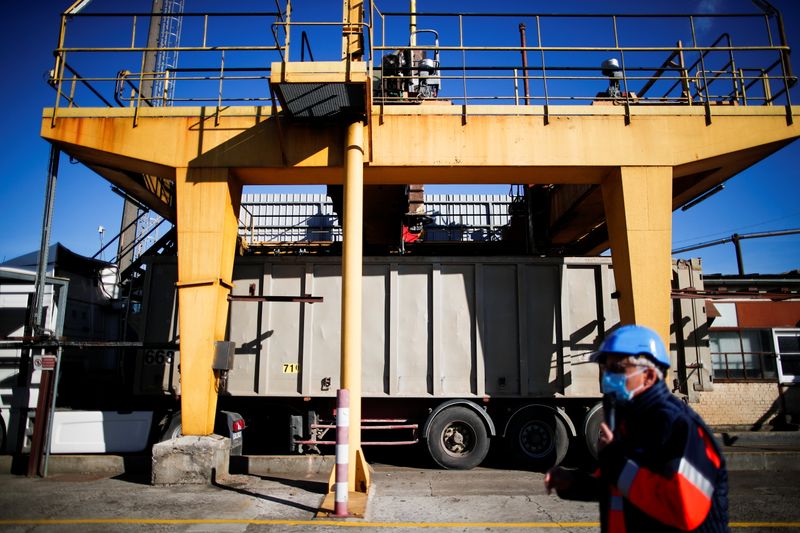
[{"x": 457, "y": 321}]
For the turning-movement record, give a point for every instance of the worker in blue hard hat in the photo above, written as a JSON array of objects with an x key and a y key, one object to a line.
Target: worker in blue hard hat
[{"x": 660, "y": 467}]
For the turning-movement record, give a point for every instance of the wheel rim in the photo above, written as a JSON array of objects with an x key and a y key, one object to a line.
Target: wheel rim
[
  {"x": 536, "y": 439},
  {"x": 458, "y": 439}
]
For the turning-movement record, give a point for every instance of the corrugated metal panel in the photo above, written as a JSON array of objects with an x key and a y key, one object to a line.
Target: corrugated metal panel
[
  {"x": 466, "y": 217},
  {"x": 288, "y": 218},
  {"x": 310, "y": 217},
  {"x": 320, "y": 99}
]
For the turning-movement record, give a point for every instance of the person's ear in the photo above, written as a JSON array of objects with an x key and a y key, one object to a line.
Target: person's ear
[{"x": 650, "y": 376}]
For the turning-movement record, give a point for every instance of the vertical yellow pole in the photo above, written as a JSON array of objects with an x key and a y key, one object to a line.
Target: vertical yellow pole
[
  {"x": 207, "y": 211},
  {"x": 412, "y": 25},
  {"x": 352, "y": 36},
  {"x": 358, "y": 473},
  {"x": 638, "y": 206}
]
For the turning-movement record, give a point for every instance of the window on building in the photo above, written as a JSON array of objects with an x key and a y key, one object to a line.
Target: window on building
[
  {"x": 743, "y": 355},
  {"x": 787, "y": 344}
]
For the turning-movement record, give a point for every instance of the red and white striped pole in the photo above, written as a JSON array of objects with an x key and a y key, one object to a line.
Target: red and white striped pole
[{"x": 342, "y": 451}]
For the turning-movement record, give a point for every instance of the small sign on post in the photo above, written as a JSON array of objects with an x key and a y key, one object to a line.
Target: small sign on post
[{"x": 44, "y": 362}]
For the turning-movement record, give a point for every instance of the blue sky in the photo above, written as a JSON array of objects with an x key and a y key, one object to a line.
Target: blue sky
[{"x": 763, "y": 198}]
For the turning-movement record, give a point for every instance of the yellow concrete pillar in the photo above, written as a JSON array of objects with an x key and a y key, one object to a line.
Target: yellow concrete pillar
[
  {"x": 358, "y": 473},
  {"x": 207, "y": 215},
  {"x": 638, "y": 206},
  {"x": 352, "y": 30}
]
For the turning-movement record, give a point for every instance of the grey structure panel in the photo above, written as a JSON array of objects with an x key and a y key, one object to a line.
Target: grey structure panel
[
  {"x": 249, "y": 335},
  {"x": 542, "y": 307},
  {"x": 374, "y": 345},
  {"x": 500, "y": 329},
  {"x": 432, "y": 327},
  {"x": 325, "y": 329},
  {"x": 456, "y": 336},
  {"x": 415, "y": 357}
]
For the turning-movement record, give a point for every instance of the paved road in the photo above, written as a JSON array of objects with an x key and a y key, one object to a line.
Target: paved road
[{"x": 403, "y": 498}]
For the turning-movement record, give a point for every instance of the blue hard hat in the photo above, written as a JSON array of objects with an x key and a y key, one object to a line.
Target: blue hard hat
[{"x": 634, "y": 340}]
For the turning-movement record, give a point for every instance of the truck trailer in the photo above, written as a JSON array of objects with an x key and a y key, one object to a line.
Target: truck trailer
[{"x": 457, "y": 351}]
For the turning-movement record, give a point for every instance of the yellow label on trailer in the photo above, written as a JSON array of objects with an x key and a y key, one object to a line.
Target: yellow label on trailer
[{"x": 291, "y": 368}]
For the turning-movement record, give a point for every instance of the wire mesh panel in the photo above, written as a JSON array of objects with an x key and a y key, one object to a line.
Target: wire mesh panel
[
  {"x": 269, "y": 218},
  {"x": 288, "y": 218},
  {"x": 466, "y": 217}
]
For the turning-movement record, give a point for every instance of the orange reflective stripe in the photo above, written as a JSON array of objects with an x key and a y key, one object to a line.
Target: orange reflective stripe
[
  {"x": 616, "y": 515},
  {"x": 681, "y": 501},
  {"x": 711, "y": 453}
]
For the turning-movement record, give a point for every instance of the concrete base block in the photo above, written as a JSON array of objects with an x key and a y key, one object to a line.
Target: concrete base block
[{"x": 190, "y": 460}]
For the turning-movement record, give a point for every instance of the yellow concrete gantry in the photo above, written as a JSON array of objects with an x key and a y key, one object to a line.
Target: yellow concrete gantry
[
  {"x": 638, "y": 206},
  {"x": 635, "y": 164},
  {"x": 207, "y": 225}
]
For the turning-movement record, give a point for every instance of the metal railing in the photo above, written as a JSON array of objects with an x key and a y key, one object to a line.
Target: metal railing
[
  {"x": 478, "y": 60},
  {"x": 275, "y": 218},
  {"x": 211, "y": 72},
  {"x": 739, "y": 75}
]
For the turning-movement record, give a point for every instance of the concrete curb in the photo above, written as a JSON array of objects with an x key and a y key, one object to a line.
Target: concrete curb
[
  {"x": 743, "y": 461},
  {"x": 115, "y": 465},
  {"x": 110, "y": 465},
  {"x": 738, "y": 459},
  {"x": 732, "y": 438}
]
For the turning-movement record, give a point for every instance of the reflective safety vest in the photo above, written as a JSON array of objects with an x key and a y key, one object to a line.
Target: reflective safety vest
[{"x": 663, "y": 472}]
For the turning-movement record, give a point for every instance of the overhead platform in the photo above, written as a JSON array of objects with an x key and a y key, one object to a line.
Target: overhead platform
[{"x": 580, "y": 145}]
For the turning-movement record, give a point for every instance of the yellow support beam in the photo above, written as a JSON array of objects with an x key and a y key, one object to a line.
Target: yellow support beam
[
  {"x": 352, "y": 257},
  {"x": 638, "y": 206},
  {"x": 429, "y": 143},
  {"x": 207, "y": 211}
]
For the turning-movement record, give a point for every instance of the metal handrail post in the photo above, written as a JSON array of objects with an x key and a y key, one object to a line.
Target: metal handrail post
[
  {"x": 624, "y": 76},
  {"x": 707, "y": 103},
  {"x": 58, "y": 68},
  {"x": 288, "y": 30},
  {"x": 133, "y": 32},
  {"x": 544, "y": 72},
  {"x": 463, "y": 61},
  {"x": 744, "y": 88},
  {"x": 219, "y": 96},
  {"x": 687, "y": 91},
  {"x": 523, "y": 42}
]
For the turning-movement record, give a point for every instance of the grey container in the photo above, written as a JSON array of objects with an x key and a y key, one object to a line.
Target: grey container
[{"x": 446, "y": 327}]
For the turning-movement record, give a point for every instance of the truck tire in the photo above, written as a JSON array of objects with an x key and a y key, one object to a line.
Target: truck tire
[
  {"x": 538, "y": 439},
  {"x": 591, "y": 429},
  {"x": 457, "y": 439},
  {"x": 174, "y": 428}
]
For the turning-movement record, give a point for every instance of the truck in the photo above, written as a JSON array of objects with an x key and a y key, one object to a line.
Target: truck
[{"x": 457, "y": 351}]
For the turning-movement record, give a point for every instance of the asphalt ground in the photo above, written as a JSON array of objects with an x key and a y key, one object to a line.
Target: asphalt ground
[
  {"x": 406, "y": 495},
  {"x": 401, "y": 499}
]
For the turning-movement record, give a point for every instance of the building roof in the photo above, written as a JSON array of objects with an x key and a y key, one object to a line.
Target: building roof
[{"x": 58, "y": 257}]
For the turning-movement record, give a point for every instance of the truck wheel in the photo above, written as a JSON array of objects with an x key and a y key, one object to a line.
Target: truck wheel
[
  {"x": 174, "y": 428},
  {"x": 457, "y": 439},
  {"x": 538, "y": 439},
  {"x": 591, "y": 429}
]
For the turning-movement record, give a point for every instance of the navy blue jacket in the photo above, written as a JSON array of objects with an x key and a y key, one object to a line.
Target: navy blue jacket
[{"x": 663, "y": 472}]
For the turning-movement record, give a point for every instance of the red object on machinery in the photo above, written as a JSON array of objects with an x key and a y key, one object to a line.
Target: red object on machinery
[{"x": 410, "y": 236}]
